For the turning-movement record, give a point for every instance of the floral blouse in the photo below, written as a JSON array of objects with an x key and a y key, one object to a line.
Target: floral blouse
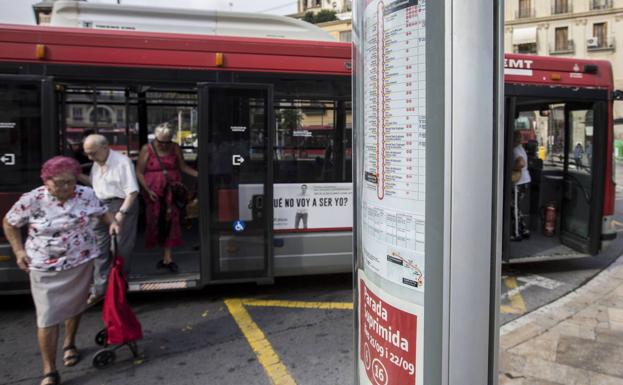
[{"x": 60, "y": 235}]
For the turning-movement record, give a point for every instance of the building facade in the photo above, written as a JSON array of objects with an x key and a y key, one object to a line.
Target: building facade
[
  {"x": 339, "y": 6},
  {"x": 590, "y": 29}
]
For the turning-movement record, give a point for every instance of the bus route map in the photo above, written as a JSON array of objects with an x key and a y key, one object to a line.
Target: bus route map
[{"x": 393, "y": 197}]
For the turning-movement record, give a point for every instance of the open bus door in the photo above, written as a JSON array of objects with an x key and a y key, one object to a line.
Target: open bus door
[
  {"x": 27, "y": 139},
  {"x": 236, "y": 181},
  {"x": 571, "y": 177},
  {"x": 586, "y": 131}
]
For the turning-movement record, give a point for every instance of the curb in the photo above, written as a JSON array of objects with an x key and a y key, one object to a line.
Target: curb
[{"x": 543, "y": 319}]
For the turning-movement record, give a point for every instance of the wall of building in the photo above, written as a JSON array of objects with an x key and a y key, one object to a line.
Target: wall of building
[
  {"x": 580, "y": 19},
  {"x": 339, "y": 29}
]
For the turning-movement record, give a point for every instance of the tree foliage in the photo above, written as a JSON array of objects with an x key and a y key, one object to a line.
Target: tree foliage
[
  {"x": 320, "y": 17},
  {"x": 324, "y": 16},
  {"x": 309, "y": 17}
]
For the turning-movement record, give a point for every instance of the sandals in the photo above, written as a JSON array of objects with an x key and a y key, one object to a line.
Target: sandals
[
  {"x": 56, "y": 379},
  {"x": 94, "y": 299},
  {"x": 70, "y": 359}
]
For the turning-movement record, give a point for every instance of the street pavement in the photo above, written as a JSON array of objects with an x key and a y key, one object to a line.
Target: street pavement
[
  {"x": 298, "y": 331},
  {"x": 576, "y": 340}
]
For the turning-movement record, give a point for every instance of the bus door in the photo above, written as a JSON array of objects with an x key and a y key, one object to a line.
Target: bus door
[
  {"x": 27, "y": 139},
  {"x": 583, "y": 178},
  {"x": 236, "y": 181}
]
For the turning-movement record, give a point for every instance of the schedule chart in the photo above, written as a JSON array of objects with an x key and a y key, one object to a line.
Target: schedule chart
[{"x": 395, "y": 139}]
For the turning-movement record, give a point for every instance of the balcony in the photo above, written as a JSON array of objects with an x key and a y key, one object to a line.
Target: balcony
[
  {"x": 596, "y": 44},
  {"x": 600, "y": 4},
  {"x": 560, "y": 8},
  {"x": 525, "y": 13},
  {"x": 561, "y": 49}
]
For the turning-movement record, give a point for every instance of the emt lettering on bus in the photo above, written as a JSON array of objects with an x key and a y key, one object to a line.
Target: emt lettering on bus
[{"x": 518, "y": 63}]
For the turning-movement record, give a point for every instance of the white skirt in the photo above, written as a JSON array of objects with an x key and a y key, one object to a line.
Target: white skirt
[{"x": 60, "y": 295}]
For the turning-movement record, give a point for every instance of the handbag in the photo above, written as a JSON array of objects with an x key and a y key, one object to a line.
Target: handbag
[
  {"x": 515, "y": 176},
  {"x": 179, "y": 192}
]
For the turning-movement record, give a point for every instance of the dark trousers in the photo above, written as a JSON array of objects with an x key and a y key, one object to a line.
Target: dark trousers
[
  {"x": 125, "y": 243},
  {"x": 298, "y": 218},
  {"x": 518, "y": 216}
]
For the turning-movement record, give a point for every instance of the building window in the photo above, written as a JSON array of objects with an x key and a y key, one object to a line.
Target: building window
[
  {"x": 76, "y": 113},
  {"x": 600, "y": 32},
  {"x": 529, "y": 48},
  {"x": 600, "y": 4},
  {"x": 524, "y": 9},
  {"x": 562, "y": 39},
  {"x": 120, "y": 118},
  {"x": 346, "y": 36},
  {"x": 561, "y": 6}
]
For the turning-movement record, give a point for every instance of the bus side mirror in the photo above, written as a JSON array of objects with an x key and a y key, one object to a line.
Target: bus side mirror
[{"x": 617, "y": 95}]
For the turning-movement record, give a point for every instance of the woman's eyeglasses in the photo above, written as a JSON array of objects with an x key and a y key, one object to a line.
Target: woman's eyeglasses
[{"x": 63, "y": 182}]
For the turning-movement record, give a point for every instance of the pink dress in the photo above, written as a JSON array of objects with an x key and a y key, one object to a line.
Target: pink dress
[{"x": 156, "y": 181}]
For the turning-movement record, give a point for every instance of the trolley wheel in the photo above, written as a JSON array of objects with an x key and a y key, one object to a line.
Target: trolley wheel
[
  {"x": 101, "y": 337},
  {"x": 103, "y": 358}
]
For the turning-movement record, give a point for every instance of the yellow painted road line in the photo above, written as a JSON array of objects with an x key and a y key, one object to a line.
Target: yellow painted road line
[
  {"x": 299, "y": 304},
  {"x": 276, "y": 370},
  {"x": 517, "y": 306}
]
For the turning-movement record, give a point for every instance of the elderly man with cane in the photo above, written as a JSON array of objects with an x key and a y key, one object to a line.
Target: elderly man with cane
[{"x": 114, "y": 182}]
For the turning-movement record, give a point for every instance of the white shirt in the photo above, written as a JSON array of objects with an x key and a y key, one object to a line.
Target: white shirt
[
  {"x": 115, "y": 179},
  {"x": 519, "y": 152}
]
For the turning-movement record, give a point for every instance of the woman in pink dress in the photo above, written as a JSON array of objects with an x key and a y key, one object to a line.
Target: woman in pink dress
[{"x": 158, "y": 199}]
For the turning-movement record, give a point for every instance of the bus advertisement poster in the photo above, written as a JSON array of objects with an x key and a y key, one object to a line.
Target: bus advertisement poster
[
  {"x": 390, "y": 337},
  {"x": 303, "y": 206}
]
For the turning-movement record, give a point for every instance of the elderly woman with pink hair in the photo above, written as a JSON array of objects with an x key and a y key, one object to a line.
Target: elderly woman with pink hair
[{"x": 57, "y": 255}]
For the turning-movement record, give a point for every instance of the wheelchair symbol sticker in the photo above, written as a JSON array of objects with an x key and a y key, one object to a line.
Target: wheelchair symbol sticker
[{"x": 239, "y": 226}]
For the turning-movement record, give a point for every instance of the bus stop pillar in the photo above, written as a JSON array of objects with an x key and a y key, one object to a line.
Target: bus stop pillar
[{"x": 428, "y": 153}]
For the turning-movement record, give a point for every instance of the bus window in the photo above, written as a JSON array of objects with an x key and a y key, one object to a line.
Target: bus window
[
  {"x": 178, "y": 110},
  {"x": 305, "y": 141},
  {"x": 347, "y": 140},
  {"x": 579, "y": 152},
  {"x": 20, "y": 125},
  {"x": 112, "y": 113}
]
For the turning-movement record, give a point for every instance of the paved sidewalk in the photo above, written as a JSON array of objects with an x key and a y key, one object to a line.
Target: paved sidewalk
[{"x": 575, "y": 340}]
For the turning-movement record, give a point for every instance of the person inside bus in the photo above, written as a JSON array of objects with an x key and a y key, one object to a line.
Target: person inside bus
[
  {"x": 58, "y": 254},
  {"x": 76, "y": 151},
  {"x": 114, "y": 182},
  {"x": 578, "y": 153},
  {"x": 160, "y": 163},
  {"x": 521, "y": 184}
]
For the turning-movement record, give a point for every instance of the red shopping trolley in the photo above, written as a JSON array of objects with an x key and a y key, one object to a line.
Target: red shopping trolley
[{"x": 121, "y": 327}]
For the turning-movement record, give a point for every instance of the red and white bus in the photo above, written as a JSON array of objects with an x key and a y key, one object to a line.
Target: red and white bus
[
  {"x": 267, "y": 123},
  {"x": 563, "y": 108}
]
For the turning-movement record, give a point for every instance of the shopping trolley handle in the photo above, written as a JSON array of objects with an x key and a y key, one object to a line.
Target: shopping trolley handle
[{"x": 113, "y": 244}]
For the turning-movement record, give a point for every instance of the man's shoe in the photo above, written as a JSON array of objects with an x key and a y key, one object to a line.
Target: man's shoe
[{"x": 515, "y": 238}]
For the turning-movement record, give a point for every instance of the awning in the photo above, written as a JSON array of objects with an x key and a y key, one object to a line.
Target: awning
[{"x": 524, "y": 35}]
